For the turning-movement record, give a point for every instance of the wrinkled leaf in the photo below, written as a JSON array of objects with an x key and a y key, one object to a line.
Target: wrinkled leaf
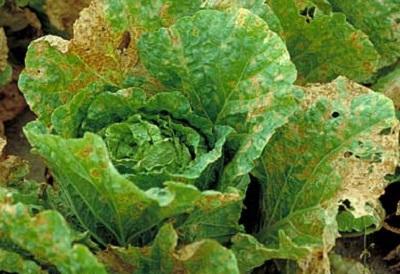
[
  {"x": 239, "y": 77},
  {"x": 324, "y": 46},
  {"x": 57, "y": 68},
  {"x": 163, "y": 256},
  {"x": 250, "y": 253},
  {"x": 331, "y": 152},
  {"x": 216, "y": 216},
  {"x": 12, "y": 262},
  {"x": 103, "y": 50},
  {"x": 47, "y": 237},
  {"x": 379, "y": 19}
]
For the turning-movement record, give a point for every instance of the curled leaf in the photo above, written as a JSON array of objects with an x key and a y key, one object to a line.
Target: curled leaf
[
  {"x": 12, "y": 262},
  {"x": 324, "y": 45},
  {"x": 164, "y": 257},
  {"x": 47, "y": 237},
  {"x": 62, "y": 14},
  {"x": 239, "y": 77},
  {"x": 379, "y": 19}
]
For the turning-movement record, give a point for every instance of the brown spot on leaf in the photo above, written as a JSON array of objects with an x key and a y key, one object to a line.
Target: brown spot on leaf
[{"x": 114, "y": 262}]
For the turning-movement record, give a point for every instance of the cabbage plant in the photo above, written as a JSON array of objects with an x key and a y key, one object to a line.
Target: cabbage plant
[{"x": 157, "y": 116}]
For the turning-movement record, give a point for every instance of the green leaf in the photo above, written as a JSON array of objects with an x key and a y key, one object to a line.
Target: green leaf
[
  {"x": 202, "y": 257},
  {"x": 53, "y": 75},
  {"x": 264, "y": 11},
  {"x": 250, "y": 253},
  {"x": 57, "y": 69},
  {"x": 332, "y": 151},
  {"x": 47, "y": 237},
  {"x": 235, "y": 72},
  {"x": 5, "y": 75},
  {"x": 103, "y": 50},
  {"x": 216, "y": 216},
  {"x": 124, "y": 15},
  {"x": 324, "y": 46},
  {"x": 167, "y": 141},
  {"x": 12, "y": 262},
  {"x": 106, "y": 203},
  {"x": 349, "y": 225},
  {"x": 22, "y": 3},
  {"x": 379, "y": 20}
]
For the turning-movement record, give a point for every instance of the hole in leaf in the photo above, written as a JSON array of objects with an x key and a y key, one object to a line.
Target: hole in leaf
[
  {"x": 335, "y": 114},
  {"x": 304, "y": 12},
  {"x": 311, "y": 12},
  {"x": 386, "y": 131},
  {"x": 308, "y": 13},
  {"x": 346, "y": 204},
  {"x": 348, "y": 154}
]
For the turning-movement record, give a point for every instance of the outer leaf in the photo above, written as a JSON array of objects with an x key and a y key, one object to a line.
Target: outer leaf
[
  {"x": 123, "y": 14},
  {"x": 366, "y": 224},
  {"x": 379, "y": 20},
  {"x": 335, "y": 144},
  {"x": 47, "y": 237},
  {"x": 261, "y": 9},
  {"x": 62, "y": 14},
  {"x": 203, "y": 257},
  {"x": 232, "y": 63},
  {"x": 235, "y": 72},
  {"x": 250, "y": 253},
  {"x": 103, "y": 50},
  {"x": 324, "y": 46},
  {"x": 5, "y": 69},
  {"x": 104, "y": 201},
  {"x": 12, "y": 169},
  {"x": 12, "y": 262},
  {"x": 57, "y": 68},
  {"x": 216, "y": 216}
]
